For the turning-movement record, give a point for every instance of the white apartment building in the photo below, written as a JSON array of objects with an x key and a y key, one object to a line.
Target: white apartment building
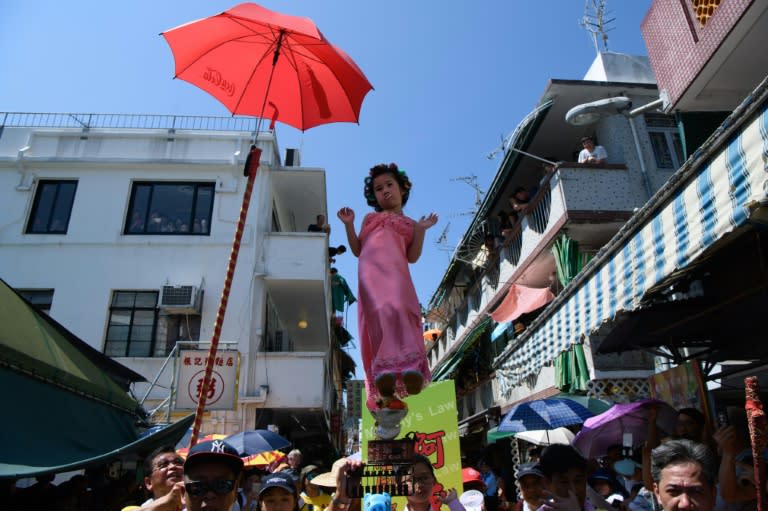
[{"x": 121, "y": 226}]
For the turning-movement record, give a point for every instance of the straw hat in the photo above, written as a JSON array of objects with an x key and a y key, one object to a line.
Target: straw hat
[{"x": 328, "y": 479}]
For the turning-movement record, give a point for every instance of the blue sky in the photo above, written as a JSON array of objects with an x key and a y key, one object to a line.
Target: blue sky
[{"x": 451, "y": 78}]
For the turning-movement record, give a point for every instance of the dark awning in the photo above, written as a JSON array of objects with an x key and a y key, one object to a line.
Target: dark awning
[{"x": 50, "y": 456}]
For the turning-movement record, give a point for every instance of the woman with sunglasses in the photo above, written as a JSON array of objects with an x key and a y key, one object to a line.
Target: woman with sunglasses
[{"x": 421, "y": 488}]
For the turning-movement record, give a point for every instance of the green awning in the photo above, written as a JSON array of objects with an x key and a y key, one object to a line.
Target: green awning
[
  {"x": 29, "y": 344},
  {"x": 456, "y": 357},
  {"x": 65, "y": 410},
  {"x": 53, "y": 431},
  {"x": 494, "y": 434}
]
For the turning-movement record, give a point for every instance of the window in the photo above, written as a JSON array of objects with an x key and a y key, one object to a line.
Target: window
[
  {"x": 704, "y": 9},
  {"x": 276, "y": 338},
  {"x": 170, "y": 209},
  {"x": 52, "y": 207},
  {"x": 665, "y": 141},
  {"x": 41, "y": 299},
  {"x": 132, "y": 322}
]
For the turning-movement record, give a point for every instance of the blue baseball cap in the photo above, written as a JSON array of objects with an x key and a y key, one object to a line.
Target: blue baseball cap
[{"x": 217, "y": 451}]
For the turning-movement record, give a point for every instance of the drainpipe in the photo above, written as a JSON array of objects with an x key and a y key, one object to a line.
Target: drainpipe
[
  {"x": 643, "y": 169},
  {"x": 630, "y": 117}
]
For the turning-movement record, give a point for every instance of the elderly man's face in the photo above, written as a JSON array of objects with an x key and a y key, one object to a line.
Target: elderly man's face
[
  {"x": 214, "y": 479},
  {"x": 683, "y": 487},
  {"x": 166, "y": 471}
]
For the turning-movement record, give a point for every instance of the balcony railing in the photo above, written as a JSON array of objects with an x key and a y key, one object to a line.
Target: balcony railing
[
  {"x": 128, "y": 121},
  {"x": 296, "y": 256}
]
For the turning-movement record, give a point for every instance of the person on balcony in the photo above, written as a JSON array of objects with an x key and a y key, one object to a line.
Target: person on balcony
[
  {"x": 592, "y": 154},
  {"x": 320, "y": 225},
  {"x": 519, "y": 200}
]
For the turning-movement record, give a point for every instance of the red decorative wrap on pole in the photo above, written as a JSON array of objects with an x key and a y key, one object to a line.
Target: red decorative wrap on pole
[
  {"x": 254, "y": 157},
  {"x": 758, "y": 434}
]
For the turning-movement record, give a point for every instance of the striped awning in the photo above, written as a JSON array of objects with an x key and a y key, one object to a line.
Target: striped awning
[{"x": 710, "y": 196}]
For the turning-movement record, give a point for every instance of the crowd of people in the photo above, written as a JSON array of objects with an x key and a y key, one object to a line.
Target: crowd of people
[{"x": 689, "y": 470}]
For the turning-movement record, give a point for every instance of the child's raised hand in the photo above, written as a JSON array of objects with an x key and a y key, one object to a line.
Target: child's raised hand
[
  {"x": 428, "y": 221},
  {"x": 346, "y": 215}
]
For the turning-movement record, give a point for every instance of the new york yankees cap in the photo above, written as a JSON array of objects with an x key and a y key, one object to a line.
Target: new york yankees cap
[{"x": 217, "y": 451}]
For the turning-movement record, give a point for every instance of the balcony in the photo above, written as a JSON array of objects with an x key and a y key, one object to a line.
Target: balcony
[
  {"x": 591, "y": 203},
  {"x": 476, "y": 400},
  {"x": 298, "y": 283},
  {"x": 284, "y": 373}
]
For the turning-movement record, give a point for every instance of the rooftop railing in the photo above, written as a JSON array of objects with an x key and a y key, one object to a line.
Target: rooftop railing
[{"x": 127, "y": 121}]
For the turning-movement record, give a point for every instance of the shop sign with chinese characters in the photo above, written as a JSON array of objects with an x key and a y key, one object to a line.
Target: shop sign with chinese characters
[{"x": 222, "y": 391}]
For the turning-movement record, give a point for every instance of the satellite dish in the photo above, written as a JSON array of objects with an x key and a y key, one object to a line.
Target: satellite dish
[{"x": 590, "y": 113}]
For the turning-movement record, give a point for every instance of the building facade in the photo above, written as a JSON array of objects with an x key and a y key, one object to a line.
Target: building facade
[{"x": 121, "y": 227}]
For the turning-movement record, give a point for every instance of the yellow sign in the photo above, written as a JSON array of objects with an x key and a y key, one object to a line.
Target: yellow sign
[{"x": 433, "y": 418}]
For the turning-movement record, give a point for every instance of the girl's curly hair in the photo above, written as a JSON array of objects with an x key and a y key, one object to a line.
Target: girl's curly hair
[{"x": 400, "y": 176}]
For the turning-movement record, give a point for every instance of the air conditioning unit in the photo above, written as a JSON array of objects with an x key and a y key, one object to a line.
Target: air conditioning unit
[
  {"x": 292, "y": 158},
  {"x": 180, "y": 299}
]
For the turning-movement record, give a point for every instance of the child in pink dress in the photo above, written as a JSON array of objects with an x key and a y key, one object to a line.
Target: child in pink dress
[{"x": 389, "y": 314}]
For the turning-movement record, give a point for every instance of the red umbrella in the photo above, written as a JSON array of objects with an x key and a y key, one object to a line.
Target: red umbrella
[{"x": 249, "y": 58}]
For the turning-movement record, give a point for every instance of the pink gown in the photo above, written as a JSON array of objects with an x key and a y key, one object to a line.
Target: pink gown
[{"x": 388, "y": 311}]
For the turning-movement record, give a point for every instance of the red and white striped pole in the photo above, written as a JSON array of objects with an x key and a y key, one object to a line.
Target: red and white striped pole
[{"x": 252, "y": 166}]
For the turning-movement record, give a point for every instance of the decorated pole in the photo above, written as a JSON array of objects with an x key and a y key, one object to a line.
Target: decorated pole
[
  {"x": 251, "y": 166},
  {"x": 758, "y": 434}
]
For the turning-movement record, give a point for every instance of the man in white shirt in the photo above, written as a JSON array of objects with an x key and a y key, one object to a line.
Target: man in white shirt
[{"x": 591, "y": 153}]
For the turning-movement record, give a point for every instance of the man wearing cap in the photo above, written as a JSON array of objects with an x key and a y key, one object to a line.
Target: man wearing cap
[
  {"x": 164, "y": 476},
  {"x": 531, "y": 480},
  {"x": 278, "y": 493},
  {"x": 211, "y": 476}
]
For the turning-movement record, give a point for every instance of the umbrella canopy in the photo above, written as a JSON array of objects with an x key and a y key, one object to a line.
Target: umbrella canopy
[
  {"x": 257, "y": 441},
  {"x": 608, "y": 428},
  {"x": 263, "y": 459},
  {"x": 543, "y": 414},
  {"x": 432, "y": 334},
  {"x": 233, "y": 56},
  {"x": 547, "y": 436}
]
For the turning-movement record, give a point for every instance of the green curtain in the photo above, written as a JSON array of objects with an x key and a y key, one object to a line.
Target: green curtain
[
  {"x": 568, "y": 260},
  {"x": 571, "y": 371}
]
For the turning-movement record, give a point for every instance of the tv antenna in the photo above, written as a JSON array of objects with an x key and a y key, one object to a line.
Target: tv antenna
[
  {"x": 471, "y": 180},
  {"x": 442, "y": 240},
  {"x": 595, "y": 22}
]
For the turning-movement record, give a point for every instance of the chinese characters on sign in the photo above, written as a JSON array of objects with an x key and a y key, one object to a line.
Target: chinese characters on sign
[
  {"x": 432, "y": 419},
  {"x": 222, "y": 390}
]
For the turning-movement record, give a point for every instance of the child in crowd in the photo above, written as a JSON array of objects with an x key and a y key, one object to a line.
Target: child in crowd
[{"x": 389, "y": 314}]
